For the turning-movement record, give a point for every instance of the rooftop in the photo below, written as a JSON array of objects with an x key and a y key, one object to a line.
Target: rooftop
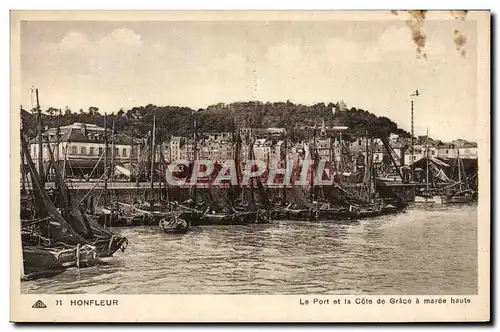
[{"x": 82, "y": 132}]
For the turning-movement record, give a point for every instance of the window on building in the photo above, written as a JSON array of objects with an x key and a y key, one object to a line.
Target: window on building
[
  {"x": 74, "y": 150},
  {"x": 124, "y": 152},
  {"x": 117, "y": 151},
  {"x": 83, "y": 150},
  {"x": 92, "y": 150},
  {"x": 101, "y": 150}
]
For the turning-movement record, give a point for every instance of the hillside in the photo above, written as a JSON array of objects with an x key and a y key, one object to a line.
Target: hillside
[{"x": 172, "y": 120}]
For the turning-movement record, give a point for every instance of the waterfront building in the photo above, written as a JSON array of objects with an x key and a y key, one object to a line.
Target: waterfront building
[
  {"x": 462, "y": 148},
  {"x": 78, "y": 149}
]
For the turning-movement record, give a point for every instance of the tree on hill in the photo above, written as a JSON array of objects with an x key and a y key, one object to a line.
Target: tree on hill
[{"x": 178, "y": 121}]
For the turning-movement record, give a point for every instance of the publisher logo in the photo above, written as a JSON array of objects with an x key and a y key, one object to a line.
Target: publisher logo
[{"x": 39, "y": 305}]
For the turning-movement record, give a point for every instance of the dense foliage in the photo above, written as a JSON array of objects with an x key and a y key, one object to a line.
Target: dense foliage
[{"x": 172, "y": 120}]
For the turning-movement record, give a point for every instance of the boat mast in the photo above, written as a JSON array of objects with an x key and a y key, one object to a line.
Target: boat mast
[
  {"x": 23, "y": 168},
  {"x": 112, "y": 168},
  {"x": 160, "y": 177},
  {"x": 286, "y": 168},
  {"x": 313, "y": 168},
  {"x": 105, "y": 161},
  {"x": 427, "y": 164},
  {"x": 367, "y": 168},
  {"x": 372, "y": 169},
  {"x": 40, "y": 141},
  {"x": 252, "y": 194},
  {"x": 195, "y": 150},
  {"x": 58, "y": 136},
  {"x": 131, "y": 152},
  {"x": 152, "y": 160},
  {"x": 340, "y": 152},
  {"x": 459, "y": 170}
]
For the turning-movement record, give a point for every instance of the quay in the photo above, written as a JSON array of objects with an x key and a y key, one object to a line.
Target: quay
[
  {"x": 128, "y": 191},
  {"x": 121, "y": 185}
]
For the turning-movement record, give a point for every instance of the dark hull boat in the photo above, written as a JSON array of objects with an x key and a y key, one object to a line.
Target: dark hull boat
[
  {"x": 111, "y": 220},
  {"x": 174, "y": 225},
  {"x": 295, "y": 214},
  {"x": 128, "y": 215},
  {"x": 106, "y": 242},
  {"x": 314, "y": 214},
  {"x": 59, "y": 234},
  {"x": 332, "y": 214},
  {"x": 458, "y": 197},
  {"x": 120, "y": 220},
  {"x": 338, "y": 214},
  {"x": 39, "y": 261},
  {"x": 237, "y": 218}
]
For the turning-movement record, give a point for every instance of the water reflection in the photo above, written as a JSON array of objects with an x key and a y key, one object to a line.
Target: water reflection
[{"x": 417, "y": 252}]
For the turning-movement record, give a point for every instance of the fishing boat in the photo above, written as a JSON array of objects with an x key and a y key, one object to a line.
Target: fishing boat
[
  {"x": 427, "y": 195},
  {"x": 61, "y": 231},
  {"x": 39, "y": 261},
  {"x": 458, "y": 197},
  {"x": 199, "y": 218},
  {"x": 296, "y": 214},
  {"x": 174, "y": 225},
  {"x": 463, "y": 194},
  {"x": 428, "y": 198},
  {"x": 44, "y": 257}
]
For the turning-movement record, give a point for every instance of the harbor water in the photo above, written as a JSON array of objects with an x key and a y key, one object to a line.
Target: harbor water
[{"x": 425, "y": 250}]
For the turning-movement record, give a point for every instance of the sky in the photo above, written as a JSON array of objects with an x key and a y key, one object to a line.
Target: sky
[{"x": 373, "y": 65}]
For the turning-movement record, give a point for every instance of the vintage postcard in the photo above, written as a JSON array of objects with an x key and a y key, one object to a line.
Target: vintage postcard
[{"x": 240, "y": 166}]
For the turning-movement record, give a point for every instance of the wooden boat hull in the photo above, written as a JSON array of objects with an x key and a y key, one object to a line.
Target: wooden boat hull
[
  {"x": 106, "y": 242},
  {"x": 80, "y": 256},
  {"x": 41, "y": 262},
  {"x": 331, "y": 214},
  {"x": 111, "y": 220},
  {"x": 338, "y": 214},
  {"x": 174, "y": 225},
  {"x": 242, "y": 218},
  {"x": 38, "y": 261},
  {"x": 462, "y": 199},
  {"x": 295, "y": 214},
  {"x": 428, "y": 200},
  {"x": 139, "y": 219},
  {"x": 311, "y": 214}
]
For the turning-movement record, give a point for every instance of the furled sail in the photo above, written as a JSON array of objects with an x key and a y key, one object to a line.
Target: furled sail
[{"x": 58, "y": 230}]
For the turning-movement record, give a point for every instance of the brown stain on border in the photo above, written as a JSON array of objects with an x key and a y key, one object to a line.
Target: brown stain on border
[{"x": 416, "y": 22}]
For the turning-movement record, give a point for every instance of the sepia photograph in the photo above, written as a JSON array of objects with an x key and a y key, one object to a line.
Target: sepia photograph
[{"x": 334, "y": 156}]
